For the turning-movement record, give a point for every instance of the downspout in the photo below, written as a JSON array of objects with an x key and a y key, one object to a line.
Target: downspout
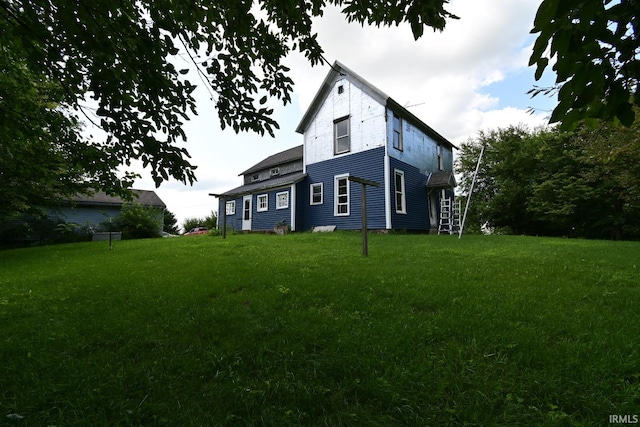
[
  {"x": 387, "y": 166},
  {"x": 293, "y": 207}
]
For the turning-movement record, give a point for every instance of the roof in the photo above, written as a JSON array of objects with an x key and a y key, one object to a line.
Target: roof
[
  {"x": 441, "y": 179},
  {"x": 286, "y": 156},
  {"x": 100, "y": 198},
  {"x": 269, "y": 184},
  {"x": 339, "y": 69}
]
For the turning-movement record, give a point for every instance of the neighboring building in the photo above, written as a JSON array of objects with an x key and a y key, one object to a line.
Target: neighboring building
[
  {"x": 350, "y": 129},
  {"x": 93, "y": 210}
]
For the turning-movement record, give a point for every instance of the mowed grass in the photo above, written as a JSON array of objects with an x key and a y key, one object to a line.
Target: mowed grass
[{"x": 302, "y": 330}]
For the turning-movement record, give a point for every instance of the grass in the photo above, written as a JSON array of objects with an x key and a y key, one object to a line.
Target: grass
[{"x": 302, "y": 330}]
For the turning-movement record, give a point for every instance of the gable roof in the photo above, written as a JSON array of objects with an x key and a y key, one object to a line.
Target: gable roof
[
  {"x": 339, "y": 69},
  {"x": 286, "y": 156},
  {"x": 100, "y": 198}
]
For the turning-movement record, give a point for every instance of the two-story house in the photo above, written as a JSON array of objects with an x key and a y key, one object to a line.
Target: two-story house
[{"x": 351, "y": 128}]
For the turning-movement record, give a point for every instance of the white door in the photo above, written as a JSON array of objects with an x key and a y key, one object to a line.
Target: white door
[{"x": 246, "y": 212}]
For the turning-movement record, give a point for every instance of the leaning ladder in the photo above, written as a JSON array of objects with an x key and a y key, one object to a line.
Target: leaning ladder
[{"x": 446, "y": 225}]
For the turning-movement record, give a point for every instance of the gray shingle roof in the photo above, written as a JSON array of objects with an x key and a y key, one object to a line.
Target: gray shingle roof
[
  {"x": 99, "y": 198},
  {"x": 269, "y": 184},
  {"x": 441, "y": 179},
  {"x": 286, "y": 156}
]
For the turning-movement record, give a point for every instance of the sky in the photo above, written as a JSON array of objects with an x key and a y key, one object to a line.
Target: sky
[{"x": 471, "y": 77}]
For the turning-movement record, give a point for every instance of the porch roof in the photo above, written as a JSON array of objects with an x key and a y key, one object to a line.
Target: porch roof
[{"x": 269, "y": 184}]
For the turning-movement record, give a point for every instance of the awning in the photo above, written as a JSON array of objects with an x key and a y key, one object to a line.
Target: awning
[{"x": 441, "y": 179}]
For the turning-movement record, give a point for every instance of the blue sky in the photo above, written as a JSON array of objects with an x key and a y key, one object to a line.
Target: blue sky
[{"x": 473, "y": 76}]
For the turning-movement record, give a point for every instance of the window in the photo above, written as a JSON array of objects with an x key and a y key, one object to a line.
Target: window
[
  {"x": 401, "y": 203},
  {"x": 275, "y": 171},
  {"x": 340, "y": 90},
  {"x": 231, "y": 207},
  {"x": 255, "y": 177},
  {"x": 397, "y": 132},
  {"x": 342, "y": 143},
  {"x": 263, "y": 203},
  {"x": 316, "y": 194},
  {"x": 440, "y": 157},
  {"x": 282, "y": 200},
  {"x": 341, "y": 195}
]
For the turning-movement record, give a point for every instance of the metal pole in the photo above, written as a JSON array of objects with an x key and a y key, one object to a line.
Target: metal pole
[
  {"x": 224, "y": 218},
  {"x": 365, "y": 241},
  {"x": 466, "y": 208}
]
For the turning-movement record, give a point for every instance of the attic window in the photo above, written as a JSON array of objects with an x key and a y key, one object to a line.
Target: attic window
[
  {"x": 340, "y": 90},
  {"x": 275, "y": 171},
  {"x": 255, "y": 177}
]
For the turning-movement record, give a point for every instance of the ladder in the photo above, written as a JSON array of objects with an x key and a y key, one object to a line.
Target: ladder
[
  {"x": 446, "y": 224},
  {"x": 449, "y": 215}
]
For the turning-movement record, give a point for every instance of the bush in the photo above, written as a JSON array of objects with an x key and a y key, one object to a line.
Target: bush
[{"x": 136, "y": 222}]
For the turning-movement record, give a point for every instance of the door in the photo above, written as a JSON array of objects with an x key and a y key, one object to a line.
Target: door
[{"x": 246, "y": 213}]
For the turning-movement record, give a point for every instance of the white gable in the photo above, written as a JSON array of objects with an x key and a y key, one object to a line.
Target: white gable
[{"x": 366, "y": 115}]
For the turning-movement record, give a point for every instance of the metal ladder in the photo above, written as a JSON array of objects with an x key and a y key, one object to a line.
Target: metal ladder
[{"x": 446, "y": 224}]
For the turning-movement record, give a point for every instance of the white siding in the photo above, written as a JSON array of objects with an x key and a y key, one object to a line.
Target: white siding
[{"x": 367, "y": 123}]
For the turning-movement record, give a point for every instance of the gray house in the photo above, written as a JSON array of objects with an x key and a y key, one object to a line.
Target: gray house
[{"x": 93, "y": 210}]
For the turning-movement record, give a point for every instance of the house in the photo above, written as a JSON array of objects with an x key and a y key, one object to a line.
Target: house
[
  {"x": 93, "y": 210},
  {"x": 351, "y": 129}
]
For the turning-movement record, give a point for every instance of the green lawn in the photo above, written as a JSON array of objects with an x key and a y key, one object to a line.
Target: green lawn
[{"x": 302, "y": 330}]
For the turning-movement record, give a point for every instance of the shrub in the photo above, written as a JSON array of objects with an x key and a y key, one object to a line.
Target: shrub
[{"x": 137, "y": 222}]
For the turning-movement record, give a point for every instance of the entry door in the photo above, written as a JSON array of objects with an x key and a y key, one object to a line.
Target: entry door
[{"x": 246, "y": 212}]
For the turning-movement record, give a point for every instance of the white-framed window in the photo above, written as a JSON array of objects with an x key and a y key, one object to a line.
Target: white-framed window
[
  {"x": 401, "y": 200},
  {"x": 282, "y": 200},
  {"x": 255, "y": 177},
  {"x": 341, "y": 194},
  {"x": 397, "y": 132},
  {"x": 317, "y": 194},
  {"x": 263, "y": 203},
  {"x": 342, "y": 137},
  {"x": 275, "y": 171},
  {"x": 231, "y": 207}
]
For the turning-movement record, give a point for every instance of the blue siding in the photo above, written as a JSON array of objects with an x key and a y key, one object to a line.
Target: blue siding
[
  {"x": 419, "y": 149},
  {"x": 234, "y": 222},
  {"x": 367, "y": 165},
  {"x": 93, "y": 216},
  {"x": 263, "y": 221},
  {"x": 417, "y": 208}
]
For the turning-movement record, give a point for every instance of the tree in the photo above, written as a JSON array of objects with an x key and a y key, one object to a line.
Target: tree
[
  {"x": 120, "y": 56},
  {"x": 138, "y": 222},
  {"x": 596, "y": 48},
  {"x": 170, "y": 223},
  {"x": 550, "y": 182}
]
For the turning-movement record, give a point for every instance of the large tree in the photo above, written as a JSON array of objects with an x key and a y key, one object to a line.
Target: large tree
[
  {"x": 550, "y": 182},
  {"x": 113, "y": 64},
  {"x": 594, "y": 46}
]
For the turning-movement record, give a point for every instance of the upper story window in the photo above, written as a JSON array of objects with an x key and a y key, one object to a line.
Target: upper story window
[
  {"x": 275, "y": 171},
  {"x": 255, "y": 177},
  {"x": 440, "y": 162},
  {"x": 397, "y": 132},
  {"x": 342, "y": 137}
]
